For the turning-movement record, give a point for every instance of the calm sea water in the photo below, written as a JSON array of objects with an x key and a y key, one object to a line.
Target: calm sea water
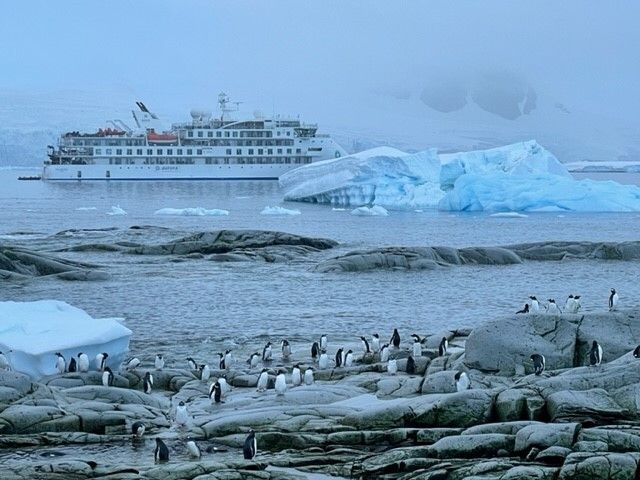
[{"x": 198, "y": 307}]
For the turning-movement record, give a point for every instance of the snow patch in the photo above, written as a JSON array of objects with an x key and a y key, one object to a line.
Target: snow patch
[
  {"x": 278, "y": 211},
  {"x": 116, "y": 210},
  {"x": 193, "y": 211},
  {"x": 374, "y": 211}
]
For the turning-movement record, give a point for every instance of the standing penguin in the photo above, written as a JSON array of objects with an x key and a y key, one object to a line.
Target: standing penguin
[
  {"x": 191, "y": 363},
  {"x": 392, "y": 367},
  {"x": 395, "y": 338},
  {"x": 250, "y": 447},
  {"x": 263, "y": 380},
  {"x": 375, "y": 343},
  {"x": 83, "y": 362},
  {"x": 161, "y": 453},
  {"x": 182, "y": 414},
  {"x": 315, "y": 351},
  {"x": 159, "y": 362},
  {"x": 417, "y": 346},
  {"x": 205, "y": 373},
  {"x": 462, "y": 381},
  {"x": 576, "y": 303},
  {"x": 266, "y": 352},
  {"x": 323, "y": 342},
  {"x": 411, "y": 365},
  {"x": 61, "y": 363},
  {"x": 253, "y": 360},
  {"x": 568, "y": 305},
  {"x": 539, "y": 363},
  {"x": 553, "y": 308},
  {"x": 101, "y": 361},
  {"x": 384, "y": 353},
  {"x": 193, "y": 449},
  {"x": 281, "y": 384},
  {"x": 286, "y": 349},
  {"x": 442, "y": 348},
  {"x": 595, "y": 354},
  {"x": 535, "y": 305},
  {"x": 613, "y": 300},
  {"x": 221, "y": 362},
  {"x": 308, "y": 376},
  {"x": 107, "y": 377},
  {"x": 215, "y": 392},
  {"x": 296, "y": 376},
  {"x": 148, "y": 382},
  {"x": 137, "y": 429},
  {"x": 224, "y": 386},
  {"x": 525, "y": 309},
  {"x": 132, "y": 364},
  {"x": 339, "y": 357},
  {"x": 365, "y": 345},
  {"x": 323, "y": 363},
  {"x": 348, "y": 359},
  {"x": 228, "y": 359},
  {"x": 72, "y": 365}
]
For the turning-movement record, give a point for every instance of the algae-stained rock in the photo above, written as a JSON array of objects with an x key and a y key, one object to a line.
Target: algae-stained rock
[
  {"x": 601, "y": 466},
  {"x": 502, "y": 344},
  {"x": 544, "y": 435},
  {"x": 472, "y": 446},
  {"x": 530, "y": 472},
  {"x": 595, "y": 404}
]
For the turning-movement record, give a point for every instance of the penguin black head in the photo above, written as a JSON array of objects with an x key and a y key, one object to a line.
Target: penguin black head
[
  {"x": 551, "y": 300},
  {"x": 577, "y": 297},
  {"x": 594, "y": 344},
  {"x": 533, "y": 297},
  {"x": 146, "y": 375},
  {"x": 181, "y": 404},
  {"x": 458, "y": 375},
  {"x": 362, "y": 338},
  {"x": 349, "y": 351},
  {"x": 264, "y": 370},
  {"x": 376, "y": 335},
  {"x": 268, "y": 344},
  {"x": 613, "y": 290},
  {"x": 571, "y": 296},
  {"x": 78, "y": 354},
  {"x": 107, "y": 369},
  {"x": 58, "y": 354},
  {"x": 159, "y": 356},
  {"x": 106, "y": 355}
]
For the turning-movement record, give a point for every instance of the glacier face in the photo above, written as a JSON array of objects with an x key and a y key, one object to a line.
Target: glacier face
[
  {"x": 520, "y": 177},
  {"x": 34, "y": 331}
]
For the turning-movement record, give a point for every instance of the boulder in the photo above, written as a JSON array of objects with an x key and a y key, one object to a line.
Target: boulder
[
  {"x": 472, "y": 446},
  {"x": 440, "y": 382},
  {"x": 595, "y": 404},
  {"x": 507, "y": 428},
  {"x": 544, "y": 435},
  {"x": 603, "y": 466},
  {"x": 553, "y": 455},
  {"x": 615, "y": 440},
  {"x": 616, "y": 332}
]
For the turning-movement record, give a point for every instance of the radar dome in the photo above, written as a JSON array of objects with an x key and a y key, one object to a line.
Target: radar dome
[{"x": 200, "y": 114}]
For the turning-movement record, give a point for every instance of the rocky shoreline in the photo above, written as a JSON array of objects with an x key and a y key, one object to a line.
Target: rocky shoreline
[{"x": 572, "y": 421}]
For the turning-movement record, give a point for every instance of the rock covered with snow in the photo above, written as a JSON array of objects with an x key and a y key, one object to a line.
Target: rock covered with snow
[{"x": 35, "y": 331}]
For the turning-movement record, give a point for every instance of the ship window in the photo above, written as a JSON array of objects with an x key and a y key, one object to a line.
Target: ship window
[
  {"x": 218, "y": 134},
  {"x": 209, "y": 134},
  {"x": 139, "y": 151},
  {"x": 129, "y": 151},
  {"x": 238, "y": 151},
  {"x": 149, "y": 151},
  {"x": 190, "y": 133},
  {"x": 260, "y": 151},
  {"x": 269, "y": 151},
  {"x": 179, "y": 151},
  {"x": 199, "y": 133},
  {"x": 159, "y": 151},
  {"x": 251, "y": 151},
  {"x": 298, "y": 150},
  {"x": 279, "y": 151},
  {"x": 199, "y": 151},
  {"x": 169, "y": 151},
  {"x": 98, "y": 151},
  {"x": 315, "y": 149},
  {"x": 228, "y": 152},
  {"x": 288, "y": 150},
  {"x": 288, "y": 133},
  {"x": 118, "y": 151},
  {"x": 235, "y": 134},
  {"x": 118, "y": 161},
  {"x": 189, "y": 151}
]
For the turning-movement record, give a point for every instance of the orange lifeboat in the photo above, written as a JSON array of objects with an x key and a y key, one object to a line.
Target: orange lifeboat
[{"x": 161, "y": 138}]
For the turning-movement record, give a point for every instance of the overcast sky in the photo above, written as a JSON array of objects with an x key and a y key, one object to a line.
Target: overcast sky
[{"x": 313, "y": 55}]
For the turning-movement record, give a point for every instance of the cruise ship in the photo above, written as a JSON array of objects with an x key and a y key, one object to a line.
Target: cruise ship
[{"x": 206, "y": 148}]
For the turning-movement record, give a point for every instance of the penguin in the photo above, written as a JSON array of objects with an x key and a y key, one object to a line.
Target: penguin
[
  {"x": 73, "y": 366},
  {"x": 539, "y": 363},
  {"x": 192, "y": 448},
  {"x": 137, "y": 429},
  {"x": 525, "y": 309},
  {"x": 221, "y": 363},
  {"x": 365, "y": 345},
  {"x": 182, "y": 414},
  {"x": 576, "y": 303},
  {"x": 281, "y": 384},
  {"x": 315, "y": 351},
  {"x": 4, "y": 362},
  {"x": 613, "y": 300},
  {"x": 568, "y": 305},
  {"x": 205, "y": 373},
  {"x": 132, "y": 364},
  {"x": 442, "y": 348},
  {"x": 535, "y": 305},
  {"x": 83, "y": 362},
  {"x": 250, "y": 447},
  {"x": 308, "y": 376},
  {"x": 348, "y": 359},
  {"x": 61, "y": 363},
  {"x": 296, "y": 376},
  {"x": 323, "y": 363},
  {"x": 266, "y": 352},
  {"x": 286, "y": 349},
  {"x": 161, "y": 453},
  {"x": 395, "y": 338},
  {"x": 191, "y": 363},
  {"x": 148, "y": 382},
  {"x": 417, "y": 346},
  {"x": 636, "y": 352},
  {"x": 101, "y": 361},
  {"x": 228, "y": 359},
  {"x": 384, "y": 353},
  {"x": 375, "y": 343},
  {"x": 339, "y": 357},
  {"x": 224, "y": 386},
  {"x": 553, "y": 308},
  {"x": 323, "y": 342},
  {"x": 392, "y": 367},
  {"x": 595, "y": 354},
  {"x": 253, "y": 360},
  {"x": 462, "y": 381},
  {"x": 159, "y": 362},
  {"x": 107, "y": 377},
  {"x": 411, "y": 365},
  {"x": 215, "y": 392},
  {"x": 263, "y": 380}
]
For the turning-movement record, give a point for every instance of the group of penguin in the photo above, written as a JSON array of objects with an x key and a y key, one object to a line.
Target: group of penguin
[
  {"x": 572, "y": 305},
  {"x": 161, "y": 452},
  {"x": 595, "y": 358}
]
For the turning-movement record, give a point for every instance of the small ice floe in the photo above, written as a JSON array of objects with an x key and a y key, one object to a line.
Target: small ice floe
[
  {"x": 116, "y": 210},
  {"x": 374, "y": 211},
  {"x": 85, "y": 209},
  {"x": 192, "y": 212},
  {"x": 418, "y": 211},
  {"x": 278, "y": 211},
  {"x": 509, "y": 215},
  {"x": 338, "y": 209}
]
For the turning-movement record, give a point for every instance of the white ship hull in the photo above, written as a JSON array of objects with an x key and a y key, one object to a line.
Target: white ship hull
[{"x": 165, "y": 172}]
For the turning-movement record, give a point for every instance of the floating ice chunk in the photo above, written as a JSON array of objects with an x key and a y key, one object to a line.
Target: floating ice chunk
[
  {"x": 278, "y": 211},
  {"x": 338, "y": 209},
  {"x": 374, "y": 211},
  {"x": 509, "y": 215},
  {"x": 194, "y": 211},
  {"x": 35, "y": 331},
  {"x": 116, "y": 210},
  {"x": 502, "y": 192},
  {"x": 85, "y": 209}
]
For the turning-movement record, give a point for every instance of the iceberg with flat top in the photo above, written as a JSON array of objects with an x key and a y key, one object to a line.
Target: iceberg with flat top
[
  {"x": 32, "y": 332},
  {"x": 520, "y": 177}
]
